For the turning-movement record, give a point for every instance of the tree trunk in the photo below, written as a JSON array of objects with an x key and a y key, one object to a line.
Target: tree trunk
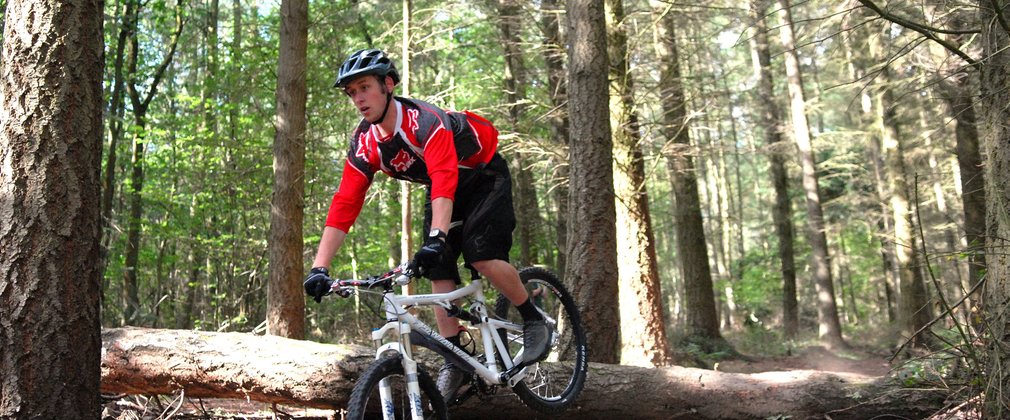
[
  {"x": 959, "y": 97},
  {"x": 406, "y": 207},
  {"x": 643, "y": 329},
  {"x": 554, "y": 57},
  {"x": 591, "y": 274},
  {"x": 285, "y": 303},
  {"x": 115, "y": 114},
  {"x": 995, "y": 95},
  {"x": 132, "y": 297},
  {"x": 829, "y": 328},
  {"x": 527, "y": 210},
  {"x": 699, "y": 299},
  {"x": 913, "y": 310},
  {"x": 140, "y": 103},
  {"x": 859, "y": 61},
  {"x": 279, "y": 370},
  {"x": 883, "y": 227},
  {"x": 771, "y": 122},
  {"x": 50, "y": 209}
]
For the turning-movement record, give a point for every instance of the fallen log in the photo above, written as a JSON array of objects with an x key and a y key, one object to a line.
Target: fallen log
[
  {"x": 279, "y": 370},
  {"x": 230, "y": 365}
]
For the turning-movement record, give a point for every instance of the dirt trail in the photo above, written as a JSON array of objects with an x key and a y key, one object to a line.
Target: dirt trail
[{"x": 813, "y": 358}]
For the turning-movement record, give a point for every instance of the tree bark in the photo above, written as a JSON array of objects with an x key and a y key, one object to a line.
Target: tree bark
[
  {"x": 285, "y": 303},
  {"x": 643, "y": 328},
  {"x": 279, "y": 370},
  {"x": 995, "y": 95},
  {"x": 699, "y": 298},
  {"x": 829, "y": 327},
  {"x": 771, "y": 122},
  {"x": 592, "y": 253},
  {"x": 50, "y": 209}
]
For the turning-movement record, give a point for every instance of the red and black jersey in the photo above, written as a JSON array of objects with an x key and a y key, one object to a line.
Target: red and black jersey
[{"x": 428, "y": 147}]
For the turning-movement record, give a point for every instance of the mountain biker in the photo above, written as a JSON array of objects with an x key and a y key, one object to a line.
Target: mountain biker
[{"x": 469, "y": 208}]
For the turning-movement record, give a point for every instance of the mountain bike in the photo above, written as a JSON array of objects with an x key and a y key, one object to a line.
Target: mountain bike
[{"x": 396, "y": 387}]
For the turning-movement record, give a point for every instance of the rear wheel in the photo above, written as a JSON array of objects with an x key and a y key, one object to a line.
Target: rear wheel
[
  {"x": 365, "y": 401},
  {"x": 553, "y": 385}
]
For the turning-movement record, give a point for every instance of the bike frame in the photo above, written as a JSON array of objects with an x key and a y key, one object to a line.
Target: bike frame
[{"x": 401, "y": 323}]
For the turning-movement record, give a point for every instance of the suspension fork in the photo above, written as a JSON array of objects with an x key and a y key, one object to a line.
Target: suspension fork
[{"x": 403, "y": 348}]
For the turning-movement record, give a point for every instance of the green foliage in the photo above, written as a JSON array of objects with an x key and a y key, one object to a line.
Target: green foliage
[{"x": 932, "y": 371}]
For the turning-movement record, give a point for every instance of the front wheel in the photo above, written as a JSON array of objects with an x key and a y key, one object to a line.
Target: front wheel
[
  {"x": 553, "y": 385},
  {"x": 365, "y": 401}
]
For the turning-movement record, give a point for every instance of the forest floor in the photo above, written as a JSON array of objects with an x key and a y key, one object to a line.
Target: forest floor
[{"x": 813, "y": 357}]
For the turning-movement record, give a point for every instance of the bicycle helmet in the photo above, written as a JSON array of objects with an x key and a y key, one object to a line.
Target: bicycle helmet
[{"x": 364, "y": 62}]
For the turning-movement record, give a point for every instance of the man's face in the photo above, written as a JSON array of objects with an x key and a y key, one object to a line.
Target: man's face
[{"x": 368, "y": 96}]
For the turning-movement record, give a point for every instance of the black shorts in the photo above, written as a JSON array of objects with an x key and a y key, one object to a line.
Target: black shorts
[{"x": 482, "y": 218}]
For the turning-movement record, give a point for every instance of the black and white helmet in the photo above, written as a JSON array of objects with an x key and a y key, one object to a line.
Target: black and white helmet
[{"x": 365, "y": 62}]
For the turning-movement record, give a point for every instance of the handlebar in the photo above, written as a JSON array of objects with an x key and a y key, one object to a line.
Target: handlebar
[{"x": 398, "y": 276}]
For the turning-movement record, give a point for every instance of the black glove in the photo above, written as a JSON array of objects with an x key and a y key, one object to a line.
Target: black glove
[
  {"x": 318, "y": 283},
  {"x": 431, "y": 254}
]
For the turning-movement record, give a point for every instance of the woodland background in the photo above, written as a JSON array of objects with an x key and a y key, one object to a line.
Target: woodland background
[{"x": 711, "y": 178}]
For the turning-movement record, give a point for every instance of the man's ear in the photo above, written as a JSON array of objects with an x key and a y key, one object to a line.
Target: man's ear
[{"x": 390, "y": 84}]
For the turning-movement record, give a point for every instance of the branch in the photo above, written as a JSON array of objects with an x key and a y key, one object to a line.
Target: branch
[
  {"x": 999, "y": 15},
  {"x": 179, "y": 23},
  {"x": 927, "y": 31}
]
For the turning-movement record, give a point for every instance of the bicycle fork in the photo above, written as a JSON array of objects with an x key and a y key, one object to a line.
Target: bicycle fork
[{"x": 401, "y": 347}]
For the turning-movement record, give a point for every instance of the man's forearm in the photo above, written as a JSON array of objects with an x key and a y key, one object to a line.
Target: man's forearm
[
  {"x": 331, "y": 241},
  {"x": 441, "y": 214}
]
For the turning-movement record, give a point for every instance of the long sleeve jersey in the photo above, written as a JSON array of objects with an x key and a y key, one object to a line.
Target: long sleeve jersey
[{"x": 429, "y": 147}]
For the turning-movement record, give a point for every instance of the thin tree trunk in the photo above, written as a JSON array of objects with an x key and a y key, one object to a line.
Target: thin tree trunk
[
  {"x": 952, "y": 286},
  {"x": 913, "y": 311},
  {"x": 995, "y": 95},
  {"x": 858, "y": 59},
  {"x": 527, "y": 211},
  {"x": 554, "y": 57},
  {"x": 771, "y": 122},
  {"x": 829, "y": 328},
  {"x": 724, "y": 192},
  {"x": 883, "y": 227},
  {"x": 592, "y": 253},
  {"x": 116, "y": 113},
  {"x": 132, "y": 297},
  {"x": 738, "y": 217},
  {"x": 699, "y": 298},
  {"x": 643, "y": 330},
  {"x": 192, "y": 281},
  {"x": 285, "y": 303},
  {"x": 406, "y": 207},
  {"x": 140, "y": 103},
  {"x": 961, "y": 106},
  {"x": 50, "y": 209}
]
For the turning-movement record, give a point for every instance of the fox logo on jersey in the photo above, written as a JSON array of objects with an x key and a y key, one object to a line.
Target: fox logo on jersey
[
  {"x": 402, "y": 161},
  {"x": 362, "y": 152},
  {"x": 412, "y": 120}
]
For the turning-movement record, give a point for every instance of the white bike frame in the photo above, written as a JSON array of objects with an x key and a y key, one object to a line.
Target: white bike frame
[{"x": 401, "y": 322}]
